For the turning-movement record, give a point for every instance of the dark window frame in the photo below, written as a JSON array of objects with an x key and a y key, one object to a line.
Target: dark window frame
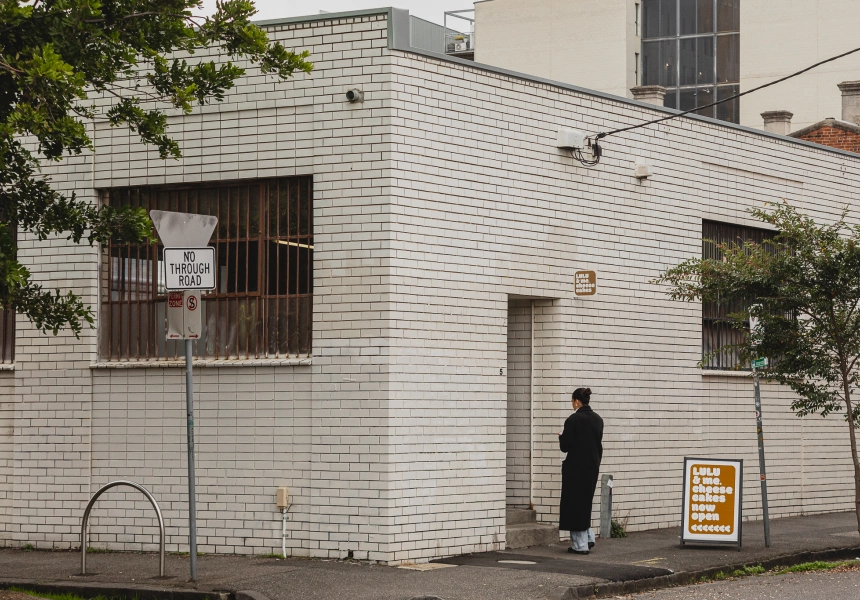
[
  {"x": 716, "y": 329},
  {"x": 263, "y": 305},
  {"x": 7, "y": 320},
  {"x": 663, "y": 60}
]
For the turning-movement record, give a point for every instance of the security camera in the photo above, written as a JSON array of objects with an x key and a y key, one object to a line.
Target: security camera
[{"x": 354, "y": 95}]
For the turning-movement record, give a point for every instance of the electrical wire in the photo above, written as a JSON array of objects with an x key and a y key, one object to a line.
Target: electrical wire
[
  {"x": 698, "y": 108},
  {"x": 596, "y": 153}
]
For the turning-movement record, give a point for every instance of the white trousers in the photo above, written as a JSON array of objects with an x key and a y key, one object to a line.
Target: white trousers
[{"x": 579, "y": 540}]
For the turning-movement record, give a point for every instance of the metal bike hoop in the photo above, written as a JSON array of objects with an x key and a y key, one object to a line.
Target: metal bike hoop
[{"x": 152, "y": 501}]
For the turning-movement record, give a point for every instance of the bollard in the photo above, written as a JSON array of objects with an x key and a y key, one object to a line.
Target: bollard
[{"x": 605, "y": 506}]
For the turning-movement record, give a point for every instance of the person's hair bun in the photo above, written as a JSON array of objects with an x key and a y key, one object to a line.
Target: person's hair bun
[{"x": 582, "y": 394}]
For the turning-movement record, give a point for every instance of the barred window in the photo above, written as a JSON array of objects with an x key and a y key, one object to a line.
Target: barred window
[
  {"x": 263, "y": 305},
  {"x": 7, "y": 320},
  {"x": 717, "y": 331}
]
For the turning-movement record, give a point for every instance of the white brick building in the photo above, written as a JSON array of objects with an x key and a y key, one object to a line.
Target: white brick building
[{"x": 446, "y": 228}]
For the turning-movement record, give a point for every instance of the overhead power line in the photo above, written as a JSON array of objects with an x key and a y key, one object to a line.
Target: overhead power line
[{"x": 755, "y": 89}]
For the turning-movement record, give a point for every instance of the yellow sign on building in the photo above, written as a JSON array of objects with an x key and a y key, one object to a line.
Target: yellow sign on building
[{"x": 712, "y": 501}]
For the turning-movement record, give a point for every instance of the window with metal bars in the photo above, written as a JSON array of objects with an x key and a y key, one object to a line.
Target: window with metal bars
[
  {"x": 7, "y": 319},
  {"x": 263, "y": 304},
  {"x": 717, "y": 330}
]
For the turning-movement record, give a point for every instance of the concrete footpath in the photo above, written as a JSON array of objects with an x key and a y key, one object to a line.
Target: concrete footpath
[{"x": 644, "y": 560}]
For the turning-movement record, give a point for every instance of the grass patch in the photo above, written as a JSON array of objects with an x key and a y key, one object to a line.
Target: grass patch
[
  {"x": 747, "y": 570},
  {"x": 744, "y": 571},
  {"x": 28, "y": 547},
  {"x": 53, "y": 595},
  {"x": 818, "y": 565},
  {"x": 271, "y": 555},
  {"x": 98, "y": 550}
]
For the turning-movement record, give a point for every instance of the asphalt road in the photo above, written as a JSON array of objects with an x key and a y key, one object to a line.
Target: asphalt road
[{"x": 793, "y": 586}]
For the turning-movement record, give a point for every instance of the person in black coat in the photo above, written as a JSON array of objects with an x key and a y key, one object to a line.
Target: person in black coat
[{"x": 582, "y": 440}]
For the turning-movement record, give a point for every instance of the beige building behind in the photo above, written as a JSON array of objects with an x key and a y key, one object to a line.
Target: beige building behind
[
  {"x": 590, "y": 44},
  {"x": 776, "y": 43},
  {"x": 598, "y": 45}
]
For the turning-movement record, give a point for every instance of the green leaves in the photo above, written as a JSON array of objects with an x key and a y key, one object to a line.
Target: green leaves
[
  {"x": 806, "y": 281},
  {"x": 140, "y": 54}
]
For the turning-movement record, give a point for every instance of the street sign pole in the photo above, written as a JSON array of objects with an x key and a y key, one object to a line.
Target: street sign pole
[
  {"x": 756, "y": 364},
  {"x": 188, "y": 269},
  {"x": 192, "y": 493}
]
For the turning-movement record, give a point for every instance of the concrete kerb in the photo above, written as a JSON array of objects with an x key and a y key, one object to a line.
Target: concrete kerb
[
  {"x": 689, "y": 577},
  {"x": 115, "y": 592}
]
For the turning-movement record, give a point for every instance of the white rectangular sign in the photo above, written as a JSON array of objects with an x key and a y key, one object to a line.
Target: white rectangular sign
[
  {"x": 184, "y": 310},
  {"x": 189, "y": 268},
  {"x": 713, "y": 489}
]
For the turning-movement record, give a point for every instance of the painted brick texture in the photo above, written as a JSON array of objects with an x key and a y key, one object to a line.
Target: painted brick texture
[
  {"x": 518, "y": 416},
  {"x": 436, "y": 201}
]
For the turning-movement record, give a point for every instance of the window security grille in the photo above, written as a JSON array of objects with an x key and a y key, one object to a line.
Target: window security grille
[
  {"x": 263, "y": 305},
  {"x": 716, "y": 328}
]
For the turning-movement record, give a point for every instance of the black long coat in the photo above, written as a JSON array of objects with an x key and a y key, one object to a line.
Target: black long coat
[{"x": 582, "y": 440}]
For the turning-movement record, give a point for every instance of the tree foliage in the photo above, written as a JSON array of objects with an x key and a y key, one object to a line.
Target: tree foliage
[
  {"x": 56, "y": 58},
  {"x": 805, "y": 281}
]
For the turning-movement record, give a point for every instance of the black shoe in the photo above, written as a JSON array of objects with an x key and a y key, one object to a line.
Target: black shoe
[
  {"x": 572, "y": 551},
  {"x": 590, "y": 545}
]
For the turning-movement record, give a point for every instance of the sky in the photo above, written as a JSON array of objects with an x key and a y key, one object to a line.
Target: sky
[{"x": 432, "y": 10}]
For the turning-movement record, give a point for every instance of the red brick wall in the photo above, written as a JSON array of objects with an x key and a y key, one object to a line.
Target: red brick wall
[{"x": 837, "y": 138}]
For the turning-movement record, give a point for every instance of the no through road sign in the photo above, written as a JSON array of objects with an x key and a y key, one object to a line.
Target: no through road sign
[{"x": 189, "y": 268}]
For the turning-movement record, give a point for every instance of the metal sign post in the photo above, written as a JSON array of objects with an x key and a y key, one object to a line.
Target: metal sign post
[
  {"x": 187, "y": 271},
  {"x": 758, "y": 364}
]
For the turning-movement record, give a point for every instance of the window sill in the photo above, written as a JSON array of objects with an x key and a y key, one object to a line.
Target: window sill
[
  {"x": 7, "y": 366},
  {"x": 202, "y": 362},
  {"x": 717, "y": 373}
]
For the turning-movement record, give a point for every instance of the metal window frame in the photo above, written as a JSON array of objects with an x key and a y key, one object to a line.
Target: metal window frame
[
  {"x": 711, "y": 324},
  {"x": 228, "y": 196},
  {"x": 677, "y": 38},
  {"x": 7, "y": 320}
]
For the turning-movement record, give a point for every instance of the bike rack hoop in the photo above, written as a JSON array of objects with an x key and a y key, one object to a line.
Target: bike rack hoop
[{"x": 152, "y": 501}]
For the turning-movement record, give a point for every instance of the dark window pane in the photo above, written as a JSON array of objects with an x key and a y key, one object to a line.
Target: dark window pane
[
  {"x": 687, "y": 10},
  {"x": 704, "y": 60},
  {"x": 651, "y": 63},
  {"x": 671, "y": 99},
  {"x": 687, "y": 98},
  {"x": 728, "y": 58},
  {"x": 705, "y": 96},
  {"x": 651, "y": 18},
  {"x": 728, "y": 111},
  {"x": 688, "y": 62},
  {"x": 669, "y": 63},
  {"x": 705, "y": 16},
  {"x": 668, "y": 18},
  {"x": 728, "y": 15}
]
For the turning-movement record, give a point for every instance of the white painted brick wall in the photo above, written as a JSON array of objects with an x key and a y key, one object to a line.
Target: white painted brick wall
[
  {"x": 518, "y": 417},
  {"x": 434, "y": 201}
]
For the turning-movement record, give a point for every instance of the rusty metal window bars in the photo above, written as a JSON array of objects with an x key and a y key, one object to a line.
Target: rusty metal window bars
[
  {"x": 263, "y": 305},
  {"x": 717, "y": 330},
  {"x": 7, "y": 322}
]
